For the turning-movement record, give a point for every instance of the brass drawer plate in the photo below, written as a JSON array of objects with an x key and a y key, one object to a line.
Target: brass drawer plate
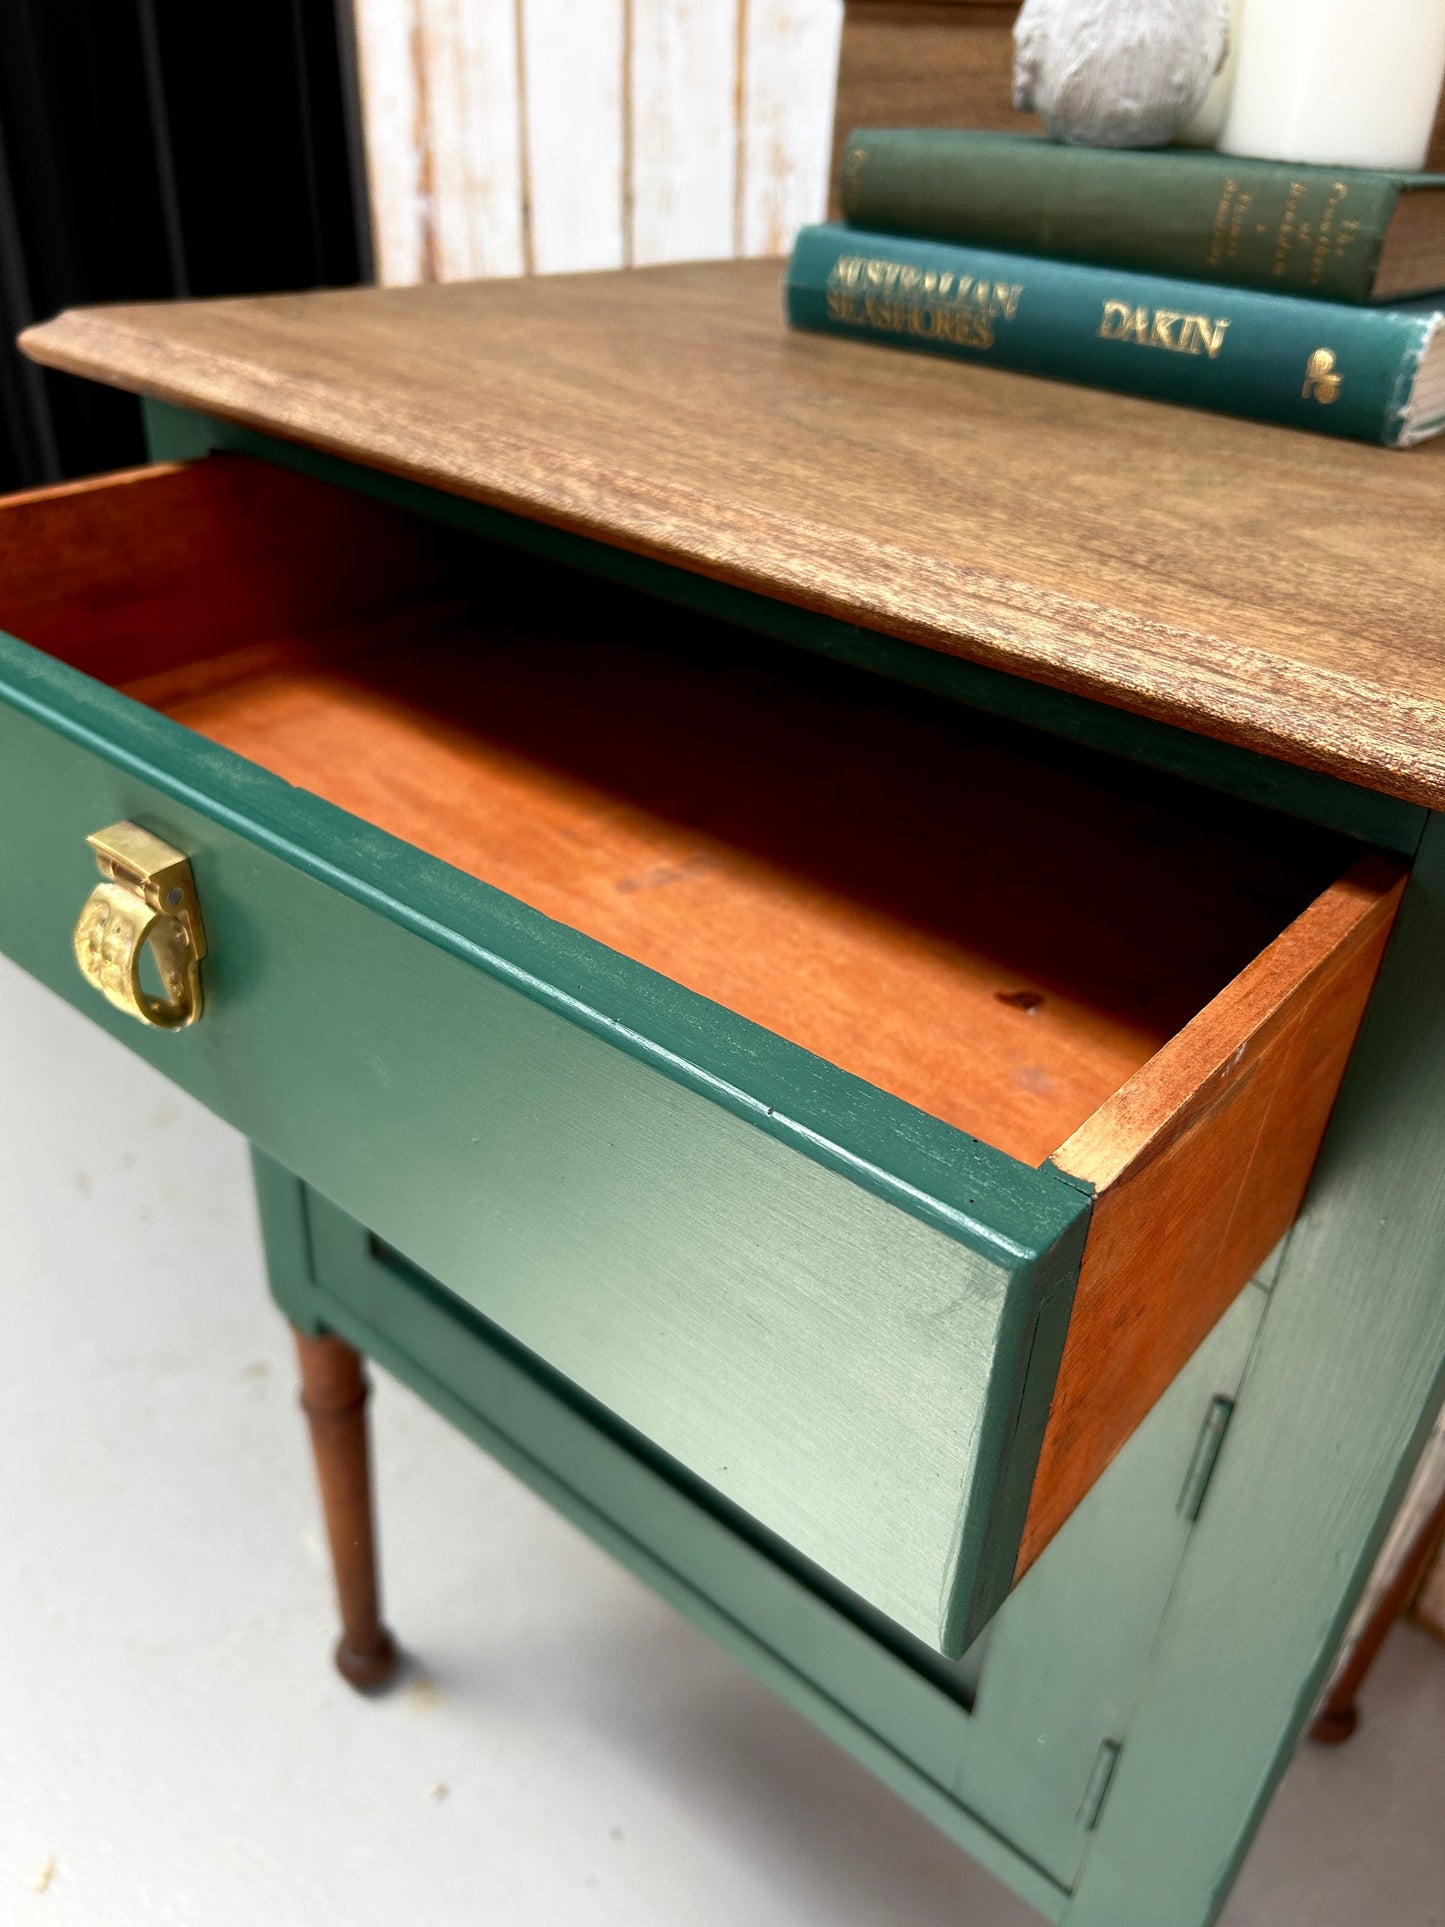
[{"x": 148, "y": 898}]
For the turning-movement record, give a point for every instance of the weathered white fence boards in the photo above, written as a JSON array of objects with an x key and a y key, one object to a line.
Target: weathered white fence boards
[
  {"x": 574, "y": 140},
  {"x": 791, "y": 56},
  {"x": 682, "y": 113},
  {"x": 508, "y": 136}
]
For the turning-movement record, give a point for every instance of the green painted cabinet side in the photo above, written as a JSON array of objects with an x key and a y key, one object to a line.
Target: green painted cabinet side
[
  {"x": 176, "y": 434},
  {"x": 1339, "y": 1395},
  {"x": 1062, "y": 1661},
  {"x": 1078, "y": 1630},
  {"x": 891, "y": 1716}
]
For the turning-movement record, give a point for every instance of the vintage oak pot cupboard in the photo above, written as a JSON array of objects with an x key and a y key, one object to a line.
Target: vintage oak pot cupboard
[{"x": 786, "y": 922}]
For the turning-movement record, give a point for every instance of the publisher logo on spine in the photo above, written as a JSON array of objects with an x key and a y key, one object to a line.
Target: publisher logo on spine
[{"x": 1322, "y": 383}]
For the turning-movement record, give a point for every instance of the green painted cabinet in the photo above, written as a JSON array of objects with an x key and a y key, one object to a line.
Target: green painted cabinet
[
  {"x": 999, "y": 1747},
  {"x": 794, "y": 1343},
  {"x": 844, "y": 1315}
]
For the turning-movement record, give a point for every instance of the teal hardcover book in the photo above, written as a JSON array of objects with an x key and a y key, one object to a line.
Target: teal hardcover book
[{"x": 1374, "y": 374}]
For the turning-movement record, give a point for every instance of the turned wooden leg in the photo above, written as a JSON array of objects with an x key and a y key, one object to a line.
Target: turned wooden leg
[
  {"x": 333, "y": 1397},
  {"x": 1339, "y": 1716}
]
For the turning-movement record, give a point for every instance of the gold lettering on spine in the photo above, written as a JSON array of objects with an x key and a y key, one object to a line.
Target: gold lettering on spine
[
  {"x": 932, "y": 304},
  {"x": 1230, "y": 216},
  {"x": 853, "y": 164},
  {"x": 1287, "y": 233},
  {"x": 1116, "y": 317},
  {"x": 1219, "y": 234},
  {"x": 1203, "y": 333},
  {"x": 1168, "y": 328},
  {"x": 1334, "y": 233}
]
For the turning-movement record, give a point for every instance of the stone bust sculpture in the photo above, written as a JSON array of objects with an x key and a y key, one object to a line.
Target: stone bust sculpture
[{"x": 1117, "y": 73}]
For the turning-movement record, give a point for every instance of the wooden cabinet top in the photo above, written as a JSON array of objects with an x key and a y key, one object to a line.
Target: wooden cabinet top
[{"x": 1269, "y": 588}]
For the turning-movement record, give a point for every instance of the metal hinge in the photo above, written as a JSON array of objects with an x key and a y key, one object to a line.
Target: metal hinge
[
  {"x": 1100, "y": 1780},
  {"x": 1205, "y": 1457},
  {"x": 1202, "y": 1461}
]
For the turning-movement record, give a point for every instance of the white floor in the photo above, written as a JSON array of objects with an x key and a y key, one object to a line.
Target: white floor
[{"x": 175, "y": 1749}]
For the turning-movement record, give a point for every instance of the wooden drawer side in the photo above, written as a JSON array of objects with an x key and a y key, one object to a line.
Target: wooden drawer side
[
  {"x": 126, "y": 575},
  {"x": 1198, "y": 1166}
]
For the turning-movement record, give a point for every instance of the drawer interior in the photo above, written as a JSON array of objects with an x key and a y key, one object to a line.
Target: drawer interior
[
  {"x": 906, "y": 889},
  {"x": 990, "y": 924}
]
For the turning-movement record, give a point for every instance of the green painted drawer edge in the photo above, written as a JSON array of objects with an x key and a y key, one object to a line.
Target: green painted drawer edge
[
  {"x": 896, "y": 1718},
  {"x": 177, "y": 434},
  {"x": 923, "y": 1166}
]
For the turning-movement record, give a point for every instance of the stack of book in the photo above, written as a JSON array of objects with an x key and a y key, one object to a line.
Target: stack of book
[{"x": 1289, "y": 293}]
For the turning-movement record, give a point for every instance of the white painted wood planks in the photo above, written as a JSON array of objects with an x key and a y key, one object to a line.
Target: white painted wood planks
[
  {"x": 506, "y": 136},
  {"x": 573, "y": 58},
  {"x": 683, "y": 72},
  {"x": 791, "y": 62}
]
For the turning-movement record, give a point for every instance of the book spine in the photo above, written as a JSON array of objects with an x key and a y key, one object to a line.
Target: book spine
[
  {"x": 1343, "y": 371},
  {"x": 1310, "y": 231}
]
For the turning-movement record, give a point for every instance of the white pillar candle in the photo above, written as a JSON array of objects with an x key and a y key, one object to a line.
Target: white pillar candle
[
  {"x": 1208, "y": 124},
  {"x": 1346, "y": 83}
]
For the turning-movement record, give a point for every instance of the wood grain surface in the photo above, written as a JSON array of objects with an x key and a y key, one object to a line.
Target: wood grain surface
[{"x": 1264, "y": 586}]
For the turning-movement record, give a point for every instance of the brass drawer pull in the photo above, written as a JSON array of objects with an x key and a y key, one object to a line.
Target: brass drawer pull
[{"x": 148, "y": 897}]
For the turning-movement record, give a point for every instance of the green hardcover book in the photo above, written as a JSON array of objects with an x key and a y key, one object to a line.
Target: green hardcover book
[
  {"x": 1347, "y": 234},
  {"x": 1376, "y": 374}
]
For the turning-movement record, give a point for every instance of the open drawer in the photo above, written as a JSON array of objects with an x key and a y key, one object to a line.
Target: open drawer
[{"x": 871, "y": 1104}]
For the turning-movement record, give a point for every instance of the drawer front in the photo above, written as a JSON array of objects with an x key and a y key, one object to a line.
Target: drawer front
[{"x": 858, "y": 1361}]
